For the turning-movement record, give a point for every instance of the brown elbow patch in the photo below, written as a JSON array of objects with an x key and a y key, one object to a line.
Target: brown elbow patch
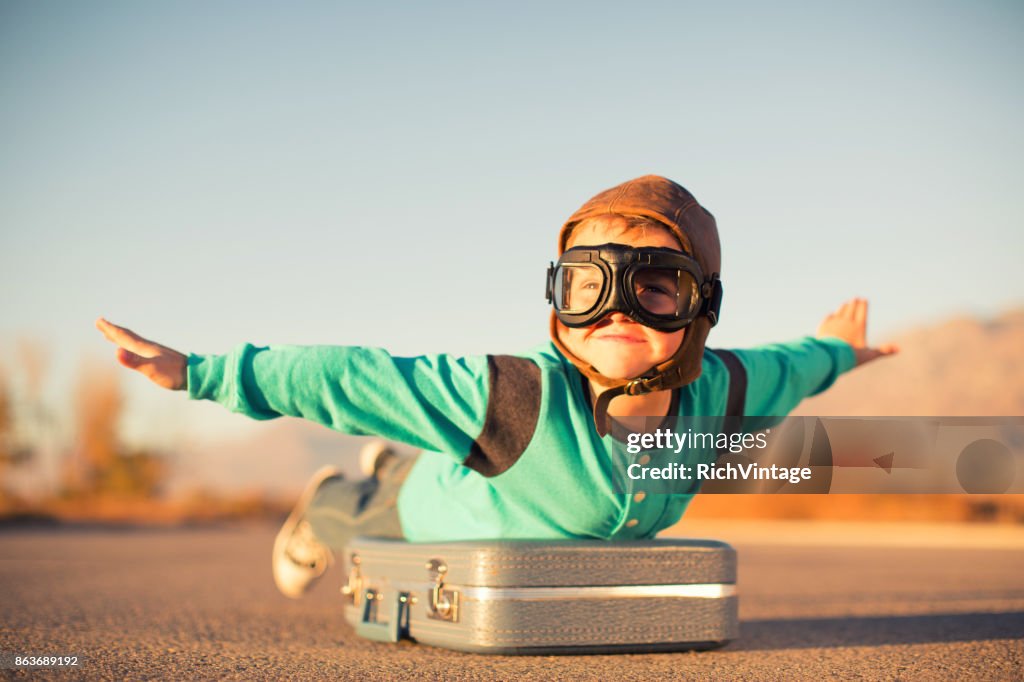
[{"x": 513, "y": 408}]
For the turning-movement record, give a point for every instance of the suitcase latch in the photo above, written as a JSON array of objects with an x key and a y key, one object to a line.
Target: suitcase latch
[
  {"x": 397, "y": 626},
  {"x": 353, "y": 590},
  {"x": 444, "y": 604}
]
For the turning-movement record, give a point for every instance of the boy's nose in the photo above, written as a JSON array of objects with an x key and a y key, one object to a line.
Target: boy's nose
[{"x": 616, "y": 317}]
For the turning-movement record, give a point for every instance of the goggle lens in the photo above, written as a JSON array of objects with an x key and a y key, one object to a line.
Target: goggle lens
[
  {"x": 665, "y": 291},
  {"x": 578, "y": 287}
]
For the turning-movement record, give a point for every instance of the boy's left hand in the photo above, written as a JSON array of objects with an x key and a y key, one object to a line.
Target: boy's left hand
[{"x": 850, "y": 323}]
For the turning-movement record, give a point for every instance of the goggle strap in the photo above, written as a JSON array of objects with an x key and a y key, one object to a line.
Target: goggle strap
[{"x": 712, "y": 305}]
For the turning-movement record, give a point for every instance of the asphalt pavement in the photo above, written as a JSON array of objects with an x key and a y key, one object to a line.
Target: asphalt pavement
[{"x": 815, "y": 603}]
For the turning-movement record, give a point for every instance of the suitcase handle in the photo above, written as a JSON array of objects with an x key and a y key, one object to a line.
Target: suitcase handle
[{"x": 395, "y": 628}]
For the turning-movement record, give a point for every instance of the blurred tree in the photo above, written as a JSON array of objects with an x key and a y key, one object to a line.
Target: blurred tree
[
  {"x": 6, "y": 442},
  {"x": 100, "y": 465},
  {"x": 6, "y": 421},
  {"x": 36, "y": 421},
  {"x": 15, "y": 451}
]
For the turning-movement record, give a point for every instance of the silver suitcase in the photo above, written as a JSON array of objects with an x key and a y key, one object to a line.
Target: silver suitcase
[{"x": 544, "y": 597}]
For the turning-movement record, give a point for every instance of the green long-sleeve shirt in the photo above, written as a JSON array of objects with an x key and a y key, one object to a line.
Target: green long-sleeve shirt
[{"x": 513, "y": 448}]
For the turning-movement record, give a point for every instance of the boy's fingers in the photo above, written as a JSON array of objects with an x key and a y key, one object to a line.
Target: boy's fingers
[
  {"x": 860, "y": 311},
  {"x": 119, "y": 335},
  {"x": 845, "y": 309},
  {"x": 113, "y": 333},
  {"x": 125, "y": 338}
]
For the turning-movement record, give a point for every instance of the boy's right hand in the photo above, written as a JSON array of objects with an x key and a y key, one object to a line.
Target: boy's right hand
[{"x": 163, "y": 366}]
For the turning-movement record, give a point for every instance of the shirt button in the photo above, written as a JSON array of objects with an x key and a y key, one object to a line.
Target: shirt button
[
  {"x": 631, "y": 523},
  {"x": 639, "y": 497},
  {"x": 644, "y": 460}
]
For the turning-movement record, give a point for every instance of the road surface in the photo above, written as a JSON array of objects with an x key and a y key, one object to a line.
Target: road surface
[{"x": 816, "y": 602}]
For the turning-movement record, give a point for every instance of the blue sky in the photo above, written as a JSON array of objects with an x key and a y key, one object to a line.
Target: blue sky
[{"x": 394, "y": 175}]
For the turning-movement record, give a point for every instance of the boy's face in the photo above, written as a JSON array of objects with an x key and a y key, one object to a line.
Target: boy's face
[{"x": 617, "y": 346}]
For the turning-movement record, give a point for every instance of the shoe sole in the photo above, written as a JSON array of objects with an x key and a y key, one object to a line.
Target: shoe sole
[{"x": 283, "y": 535}]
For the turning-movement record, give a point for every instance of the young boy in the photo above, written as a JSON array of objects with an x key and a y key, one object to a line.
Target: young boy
[{"x": 517, "y": 444}]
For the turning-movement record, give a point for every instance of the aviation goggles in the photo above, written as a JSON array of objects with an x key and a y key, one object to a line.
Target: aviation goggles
[{"x": 658, "y": 287}]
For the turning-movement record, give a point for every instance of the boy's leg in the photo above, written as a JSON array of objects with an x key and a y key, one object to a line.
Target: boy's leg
[
  {"x": 342, "y": 509},
  {"x": 330, "y": 513},
  {"x": 333, "y": 513}
]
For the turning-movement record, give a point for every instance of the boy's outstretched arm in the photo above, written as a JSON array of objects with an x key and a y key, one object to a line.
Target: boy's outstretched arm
[
  {"x": 780, "y": 375},
  {"x": 162, "y": 365},
  {"x": 850, "y": 323},
  {"x": 435, "y": 402}
]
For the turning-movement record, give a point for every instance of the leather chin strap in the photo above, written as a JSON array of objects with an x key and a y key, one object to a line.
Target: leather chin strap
[
  {"x": 602, "y": 421},
  {"x": 679, "y": 370}
]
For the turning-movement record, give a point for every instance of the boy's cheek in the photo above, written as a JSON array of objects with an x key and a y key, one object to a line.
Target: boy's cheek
[
  {"x": 569, "y": 336},
  {"x": 575, "y": 339}
]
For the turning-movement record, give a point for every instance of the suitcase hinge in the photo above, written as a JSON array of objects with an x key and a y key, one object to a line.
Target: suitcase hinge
[
  {"x": 353, "y": 590},
  {"x": 444, "y": 604}
]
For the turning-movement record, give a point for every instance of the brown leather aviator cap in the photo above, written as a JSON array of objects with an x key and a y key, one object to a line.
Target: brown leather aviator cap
[{"x": 660, "y": 199}]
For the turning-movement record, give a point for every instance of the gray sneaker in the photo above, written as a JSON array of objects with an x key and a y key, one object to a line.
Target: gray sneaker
[{"x": 299, "y": 559}]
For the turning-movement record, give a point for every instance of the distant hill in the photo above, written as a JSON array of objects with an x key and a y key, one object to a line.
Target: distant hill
[{"x": 961, "y": 367}]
